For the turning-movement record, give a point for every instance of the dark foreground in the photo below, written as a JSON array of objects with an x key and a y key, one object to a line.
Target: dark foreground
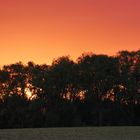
[{"x": 88, "y": 133}]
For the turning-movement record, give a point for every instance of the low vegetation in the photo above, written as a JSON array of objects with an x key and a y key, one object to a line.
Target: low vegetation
[{"x": 88, "y": 133}]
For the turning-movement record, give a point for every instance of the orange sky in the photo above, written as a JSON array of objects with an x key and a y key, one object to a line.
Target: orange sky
[{"x": 40, "y": 30}]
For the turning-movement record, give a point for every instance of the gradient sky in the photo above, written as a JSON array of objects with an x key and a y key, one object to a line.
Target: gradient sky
[{"x": 40, "y": 30}]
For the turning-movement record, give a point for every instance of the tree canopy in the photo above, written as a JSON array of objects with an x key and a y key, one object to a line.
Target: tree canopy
[{"x": 96, "y": 90}]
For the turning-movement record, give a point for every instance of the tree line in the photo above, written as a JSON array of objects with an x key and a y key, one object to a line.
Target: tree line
[{"x": 96, "y": 90}]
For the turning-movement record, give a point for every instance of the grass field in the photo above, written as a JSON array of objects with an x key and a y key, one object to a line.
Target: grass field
[{"x": 88, "y": 133}]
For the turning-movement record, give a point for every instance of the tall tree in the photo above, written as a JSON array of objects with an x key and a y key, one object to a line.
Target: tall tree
[{"x": 98, "y": 75}]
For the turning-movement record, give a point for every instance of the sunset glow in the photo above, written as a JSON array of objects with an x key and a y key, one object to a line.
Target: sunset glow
[{"x": 41, "y": 30}]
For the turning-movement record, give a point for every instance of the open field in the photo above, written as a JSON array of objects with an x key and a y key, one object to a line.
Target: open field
[{"x": 87, "y": 133}]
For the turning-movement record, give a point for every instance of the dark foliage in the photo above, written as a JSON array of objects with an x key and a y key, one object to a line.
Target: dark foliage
[{"x": 97, "y": 90}]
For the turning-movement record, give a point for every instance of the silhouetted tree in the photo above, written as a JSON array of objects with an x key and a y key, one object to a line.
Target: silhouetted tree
[
  {"x": 98, "y": 74},
  {"x": 94, "y": 91}
]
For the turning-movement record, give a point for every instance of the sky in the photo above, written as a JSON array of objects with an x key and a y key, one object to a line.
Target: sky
[{"x": 41, "y": 30}]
